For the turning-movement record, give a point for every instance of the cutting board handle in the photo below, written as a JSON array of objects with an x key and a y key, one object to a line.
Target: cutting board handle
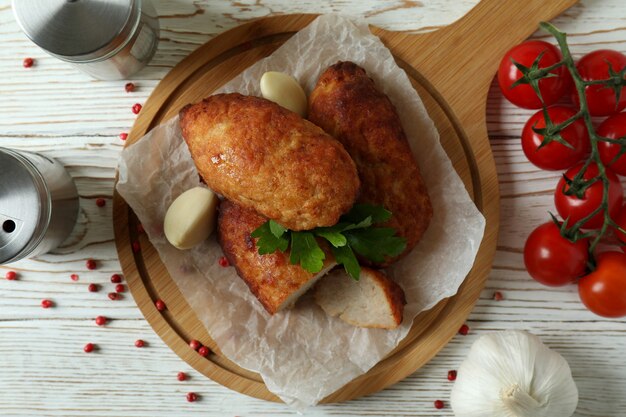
[{"x": 460, "y": 60}]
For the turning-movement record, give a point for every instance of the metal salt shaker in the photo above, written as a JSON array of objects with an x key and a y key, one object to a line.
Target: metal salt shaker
[
  {"x": 107, "y": 39},
  {"x": 38, "y": 205}
]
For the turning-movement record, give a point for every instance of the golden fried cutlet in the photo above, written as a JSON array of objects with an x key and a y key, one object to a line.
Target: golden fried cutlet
[
  {"x": 347, "y": 104},
  {"x": 271, "y": 278},
  {"x": 267, "y": 158}
]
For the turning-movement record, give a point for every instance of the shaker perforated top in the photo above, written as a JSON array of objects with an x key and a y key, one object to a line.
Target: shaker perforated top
[{"x": 78, "y": 30}]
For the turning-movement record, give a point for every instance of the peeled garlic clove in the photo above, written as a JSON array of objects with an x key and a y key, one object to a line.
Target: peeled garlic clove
[
  {"x": 513, "y": 374},
  {"x": 285, "y": 91},
  {"x": 190, "y": 219}
]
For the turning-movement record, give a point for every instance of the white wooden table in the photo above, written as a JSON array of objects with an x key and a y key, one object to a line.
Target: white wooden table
[{"x": 51, "y": 108}]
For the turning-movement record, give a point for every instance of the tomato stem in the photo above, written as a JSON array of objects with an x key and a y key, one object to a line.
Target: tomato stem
[
  {"x": 570, "y": 120},
  {"x": 620, "y": 141},
  {"x": 596, "y": 82},
  {"x": 580, "y": 85},
  {"x": 553, "y": 67}
]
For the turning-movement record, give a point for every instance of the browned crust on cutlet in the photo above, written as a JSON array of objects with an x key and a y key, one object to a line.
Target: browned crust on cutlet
[
  {"x": 267, "y": 158},
  {"x": 394, "y": 293},
  {"x": 271, "y": 278},
  {"x": 347, "y": 104}
]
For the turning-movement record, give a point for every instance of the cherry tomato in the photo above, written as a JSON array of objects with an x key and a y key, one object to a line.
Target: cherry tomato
[
  {"x": 553, "y": 260},
  {"x": 555, "y": 156},
  {"x": 523, "y": 95},
  {"x": 575, "y": 209},
  {"x": 595, "y": 66},
  {"x": 604, "y": 290},
  {"x": 614, "y": 127}
]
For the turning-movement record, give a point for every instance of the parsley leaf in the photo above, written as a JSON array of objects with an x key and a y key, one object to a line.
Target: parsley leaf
[
  {"x": 345, "y": 256},
  {"x": 332, "y": 234},
  {"x": 366, "y": 222},
  {"x": 306, "y": 251},
  {"x": 360, "y": 212},
  {"x": 376, "y": 243},
  {"x": 268, "y": 242},
  {"x": 276, "y": 229},
  {"x": 353, "y": 234}
]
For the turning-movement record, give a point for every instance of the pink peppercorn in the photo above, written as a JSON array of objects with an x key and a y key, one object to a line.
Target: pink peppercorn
[
  {"x": 204, "y": 351},
  {"x": 223, "y": 261},
  {"x": 452, "y": 375},
  {"x": 89, "y": 347},
  {"x": 120, "y": 288},
  {"x": 90, "y": 264},
  {"x": 464, "y": 330},
  {"x": 28, "y": 62},
  {"x": 129, "y": 87},
  {"x": 47, "y": 303},
  {"x": 439, "y": 404},
  {"x": 140, "y": 343},
  {"x": 101, "y": 320},
  {"x": 93, "y": 287},
  {"x": 136, "y": 108},
  {"x": 74, "y": 277},
  {"x": 160, "y": 305},
  {"x": 11, "y": 275},
  {"x": 101, "y": 202},
  {"x": 123, "y": 136},
  {"x": 136, "y": 246},
  {"x": 181, "y": 376},
  {"x": 498, "y": 296},
  {"x": 116, "y": 278},
  {"x": 113, "y": 296},
  {"x": 194, "y": 344},
  {"x": 191, "y": 397}
]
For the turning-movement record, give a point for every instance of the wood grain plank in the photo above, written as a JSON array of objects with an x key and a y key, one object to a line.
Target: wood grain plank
[{"x": 52, "y": 108}]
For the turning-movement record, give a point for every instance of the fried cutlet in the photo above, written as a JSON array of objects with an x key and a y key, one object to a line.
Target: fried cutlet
[
  {"x": 267, "y": 158},
  {"x": 347, "y": 105}
]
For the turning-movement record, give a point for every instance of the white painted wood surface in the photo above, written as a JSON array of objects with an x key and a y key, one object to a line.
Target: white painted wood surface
[{"x": 51, "y": 108}]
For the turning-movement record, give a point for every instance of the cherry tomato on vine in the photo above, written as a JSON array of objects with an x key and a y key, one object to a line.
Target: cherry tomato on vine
[
  {"x": 595, "y": 66},
  {"x": 604, "y": 290},
  {"x": 523, "y": 95},
  {"x": 614, "y": 127},
  {"x": 554, "y": 155},
  {"x": 575, "y": 209},
  {"x": 553, "y": 260}
]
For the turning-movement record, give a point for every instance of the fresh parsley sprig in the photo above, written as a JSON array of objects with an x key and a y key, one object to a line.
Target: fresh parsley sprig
[{"x": 353, "y": 234}]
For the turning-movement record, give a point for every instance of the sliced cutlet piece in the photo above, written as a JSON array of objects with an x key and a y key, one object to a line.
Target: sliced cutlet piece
[{"x": 372, "y": 301}]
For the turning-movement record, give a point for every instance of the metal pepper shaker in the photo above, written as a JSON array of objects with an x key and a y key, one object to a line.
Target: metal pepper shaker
[
  {"x": 107, "y": 39},
  {"x": 38, "y": 205}
]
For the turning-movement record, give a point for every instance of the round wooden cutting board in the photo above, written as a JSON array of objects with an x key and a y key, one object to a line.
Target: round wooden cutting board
[{"x": 451, "y": 69}]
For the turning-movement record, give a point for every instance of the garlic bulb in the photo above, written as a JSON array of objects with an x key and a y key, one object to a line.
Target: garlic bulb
[{"x": 513, "y": 374}]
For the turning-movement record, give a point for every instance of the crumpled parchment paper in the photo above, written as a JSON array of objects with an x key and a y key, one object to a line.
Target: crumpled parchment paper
[{"x": 302, "y": 354}]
